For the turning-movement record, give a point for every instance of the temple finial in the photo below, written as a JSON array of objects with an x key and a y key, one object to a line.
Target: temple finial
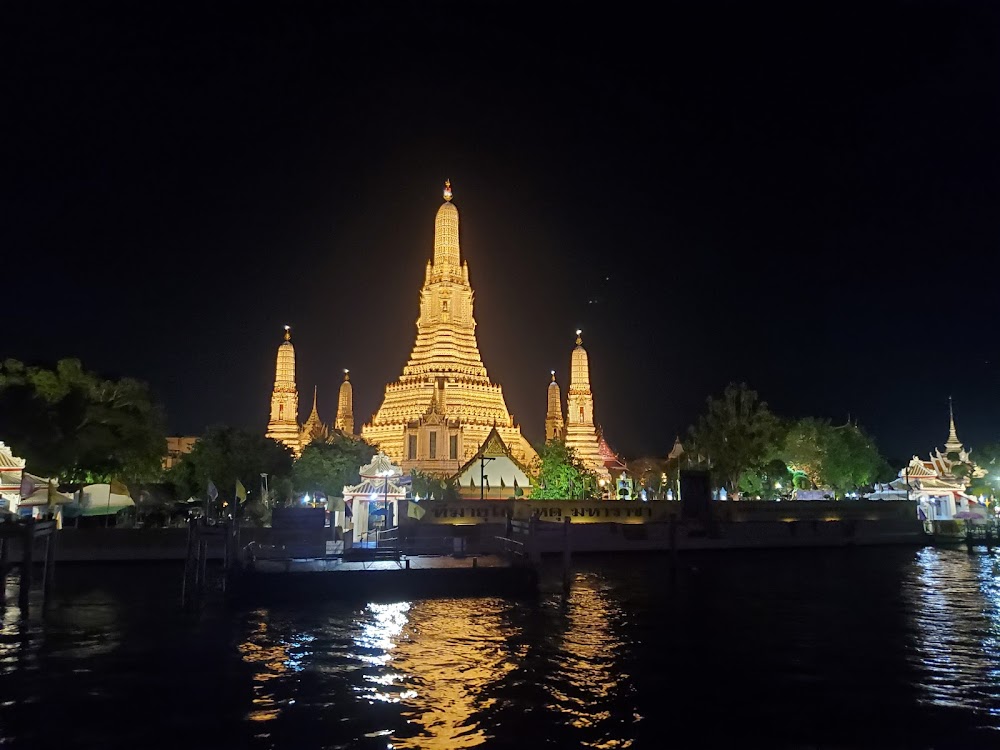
[
  {"x": 288, "y": 333},
  {"x": 579, "y": 341},
  {"x": 447, "y": 190},
  {"x": 347, "y": 374},
  {"x": 315, "y": 391},
  {"x": 553, "y": 376}
]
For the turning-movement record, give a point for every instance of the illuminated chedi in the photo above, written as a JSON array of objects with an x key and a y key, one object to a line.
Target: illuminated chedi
[
  {"x": 283, "y": 425},
  {"x": 313, "y": 429},
  {"x": 345, "y": 406},
  {"x": 581, "y": 435},
  {"x": 439, "y": 413},
  {"x": 553, "y": 414}
]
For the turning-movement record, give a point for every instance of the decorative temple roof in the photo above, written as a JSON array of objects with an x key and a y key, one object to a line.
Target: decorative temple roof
[
  {"x": 952, "y": 444},
  {"x": 313, "y": 428},
  {"x": 380, "y": 466},
  {"x": 581, "y": 434},
  {"x": 283, "y": 424},
  {"x": 553, "y": 414},
  {"x": 345, "y": 406},
  {"x": 8, "y": 461},
  {"x": 499, "y": 476}
]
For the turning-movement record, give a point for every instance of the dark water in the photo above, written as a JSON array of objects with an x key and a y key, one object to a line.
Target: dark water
[{"x": 854, "y": 648}]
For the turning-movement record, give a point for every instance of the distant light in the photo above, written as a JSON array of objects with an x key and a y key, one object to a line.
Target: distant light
[
  {"x": 579, "y": 331},
  {"x": 288, "y": 328},
  {"x": 777, "y": 485}
]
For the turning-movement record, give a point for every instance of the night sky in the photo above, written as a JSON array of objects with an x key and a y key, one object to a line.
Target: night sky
[{"x": 800, "y": 196}]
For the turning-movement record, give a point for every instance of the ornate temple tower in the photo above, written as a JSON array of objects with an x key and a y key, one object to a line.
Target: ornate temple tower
[
  {"x": 438, "y": 414},
  {"x": 553, "y": 415},
  {"x": 283, "y": 425},
  {"x": 953, "y": 444},
  {"x": 313, "y": 428},
  {"x": 581, "y": 435},
  {"x": 345, "y": 406}
]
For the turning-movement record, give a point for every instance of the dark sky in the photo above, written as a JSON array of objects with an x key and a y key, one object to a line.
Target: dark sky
[{"x": 802, "y": 196}]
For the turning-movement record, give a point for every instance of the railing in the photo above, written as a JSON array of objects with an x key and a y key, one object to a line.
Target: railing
[{"x": 512, "y": 549}]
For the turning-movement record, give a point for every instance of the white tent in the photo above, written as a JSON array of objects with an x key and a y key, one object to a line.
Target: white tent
[{"x": 99, "y": 500}]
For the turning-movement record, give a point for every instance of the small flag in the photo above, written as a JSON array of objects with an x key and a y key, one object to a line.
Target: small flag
[
  {"x": 518, "y": 492},
  {"x": 413, "y": 510},
  {"x": 117, "y": 488},
  {"x": 241, "y": 491},
  {"x": 27, "y": 486},
  {"x": 213, "y": 492}
]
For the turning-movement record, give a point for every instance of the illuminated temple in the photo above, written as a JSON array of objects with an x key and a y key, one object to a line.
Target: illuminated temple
[
  {"x": 441, "y": 410},
  {"x": 581, "y": 434}
]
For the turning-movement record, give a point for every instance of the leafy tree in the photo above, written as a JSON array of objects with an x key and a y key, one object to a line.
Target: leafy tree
[
  {"x": 73, "y": 424},
  {"x": 426, "y": 485},
  {"x": 328, "y": 467},
  {"x": 560, "y": 475},
  {"x": 647, "y": 473},
  {"x": 737, "y": 433},
  {"x": 225, "y": 454},
  {"x": 852, "y": 460}
]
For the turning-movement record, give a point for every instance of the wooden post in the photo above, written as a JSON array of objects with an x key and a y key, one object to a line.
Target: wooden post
[
  {"x": 202, "y": 561},
  {"x": 186, "y": 586},
  {"x": 50, "y": 566},
  {"x": 4, "y": 564},
  {"x": 567, "y": 554},
  {"x": 534, "y": 553},
  {"x": 27, "y": 561}
]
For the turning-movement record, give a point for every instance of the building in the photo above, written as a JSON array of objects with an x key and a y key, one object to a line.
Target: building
[
  {"x": 444, "y": 406},
  {"x": 494, "y": 473},
  {"x": 554, "y": 427},
  {"x": 176, "y": 447},
  {"x": 938, "y": 484},
  {"x": 283, "y": 425},
  {"x": 345, "y": 406},
  {"x": 313, "y": 428},
  {"x": 581, "y": 434}
]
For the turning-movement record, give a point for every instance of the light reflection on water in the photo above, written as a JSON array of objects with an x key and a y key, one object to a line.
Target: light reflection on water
[
  {"x": 747, "y": 650},
  {"x": 955, "y": 600}
]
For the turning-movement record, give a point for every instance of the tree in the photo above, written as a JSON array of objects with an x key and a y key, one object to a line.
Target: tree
[
  {"x": 560, "y": 475},
  {"x": 328, "y": 467},
  {"x": 73, "y": 424},
  {"x": 737, "y": 433},
  {"x": 851, "y": 459},
  {"x": 647, "y": 473},
  {"x": 425, "y": 485},
  {"x": 225, "y": 454}
]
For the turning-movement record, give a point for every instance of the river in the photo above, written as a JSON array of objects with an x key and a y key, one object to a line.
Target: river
[{"x": 874, "y": 647}]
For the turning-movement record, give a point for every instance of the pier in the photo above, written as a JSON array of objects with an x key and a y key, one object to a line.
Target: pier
[{"x": 18, "y": 542}]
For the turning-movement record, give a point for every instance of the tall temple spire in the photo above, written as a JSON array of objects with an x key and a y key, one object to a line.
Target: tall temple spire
[
  {"x": 444, "y": 369},
  {"x": 446, "y": 249},
  {"x": 953, "y": 445},
  {"x": 553, "y": 415},
  {"x": 313, "y": 429},
  {"x": 581, "y": 435},
  {"x": 283, "y": 424},
  {"x": 345, "y": 406}
]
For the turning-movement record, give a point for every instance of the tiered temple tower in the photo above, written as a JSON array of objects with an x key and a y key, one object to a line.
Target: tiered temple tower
[
  {"x": 553, "y": 415},
  {"x": 953, "y": 444},
  {"x": 345, "y": 406},
  {"x": 283, "y": 425},
  {"x": 581, "y": 435},
  {"x": 438, "y": 414},
  {"x": 313, "y": 428}
]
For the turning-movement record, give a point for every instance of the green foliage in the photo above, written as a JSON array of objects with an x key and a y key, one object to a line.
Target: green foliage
[
  {"x": 328, "y": 467},
  {"x": 425, "y": 485},
  {"x": 737, "y": 433},
  {"x": 225, "y": 454},
  {"x": 852, "y": 460},
  {"x": 559, "y": 475},
  {"x": 74, "y": 425}
]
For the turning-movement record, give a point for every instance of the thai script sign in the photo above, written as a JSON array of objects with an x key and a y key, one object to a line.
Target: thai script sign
[{"x": 493, "y": 511}]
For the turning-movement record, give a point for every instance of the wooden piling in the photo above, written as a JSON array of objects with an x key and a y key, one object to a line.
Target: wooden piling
[
  {"x": 567, "y": 556},
  {"x": 188, "y": 583},
  {"x": 202, "y": 564},
  {"x": 49, "y": 572},
  {"x": 4, "y": 564},
  {"x": 27, "y": 562}
]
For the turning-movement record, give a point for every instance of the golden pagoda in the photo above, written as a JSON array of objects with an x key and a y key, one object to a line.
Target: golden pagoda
[
  {"x": 345, "y": 406},
  {"x": 581, "y": 434},
  {"x": 553, "y": 415},
  {"x": 439, "y": 413},
  {"x": 283, "y": 425},
  {"x": 313, "y": 429}
]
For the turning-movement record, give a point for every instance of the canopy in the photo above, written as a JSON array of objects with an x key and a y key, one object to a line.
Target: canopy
[
  {"x": 99, "y": 500},
  {"x": 40, "y": 498}
]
